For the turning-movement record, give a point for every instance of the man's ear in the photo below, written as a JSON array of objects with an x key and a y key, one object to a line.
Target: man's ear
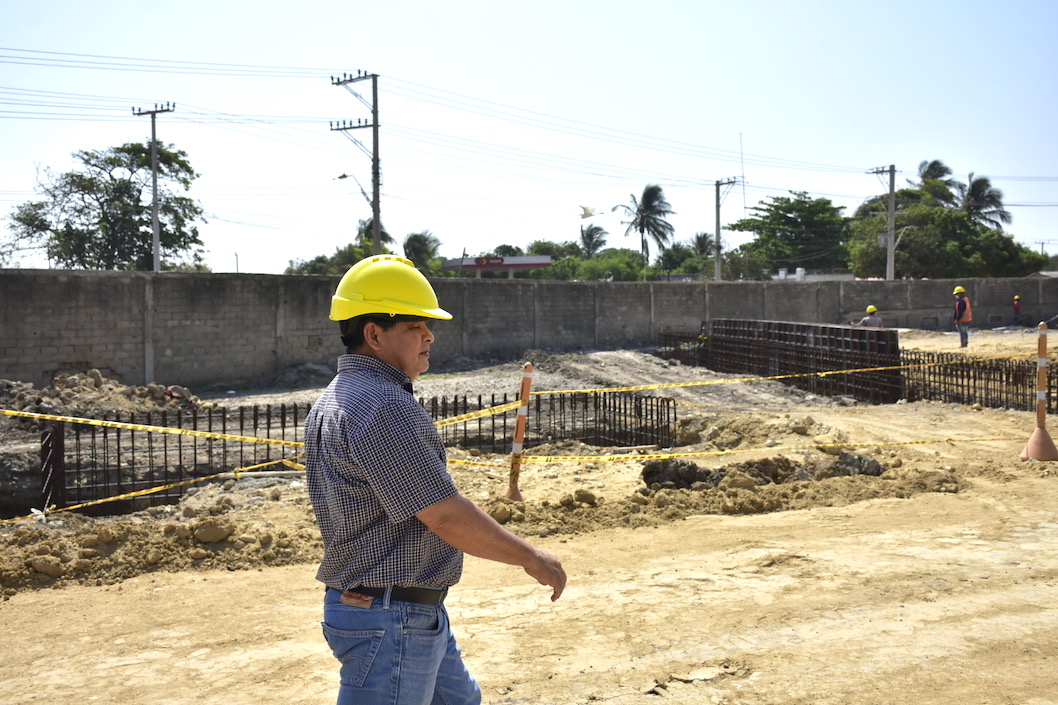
[{"x": 371, "y": 335}]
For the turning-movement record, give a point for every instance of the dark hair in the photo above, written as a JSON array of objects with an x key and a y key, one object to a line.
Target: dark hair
[{"x": 352, "y": 329}]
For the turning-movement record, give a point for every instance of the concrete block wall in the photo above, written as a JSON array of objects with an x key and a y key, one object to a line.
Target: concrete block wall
[
  {"x": 56, "y": 321},
  {"x": 196, "y": 329},
  {"x": 624, "y": 314}
]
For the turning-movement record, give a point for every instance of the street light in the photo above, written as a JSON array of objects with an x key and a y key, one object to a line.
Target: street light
[
  {"x": 347, "y": 176},
  {"x": 369, "y": 202},
  {"x": 901, "y": 233},
  {"x": 890, "y": 247}
]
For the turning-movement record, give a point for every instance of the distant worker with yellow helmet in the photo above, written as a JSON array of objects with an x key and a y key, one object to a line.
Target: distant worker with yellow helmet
[
  {"x": 1017, "y": 310},
  {"x": 394, "y": 526},
  {"x": 872, "y": 319},
  {"x": 963, "y": 315}
]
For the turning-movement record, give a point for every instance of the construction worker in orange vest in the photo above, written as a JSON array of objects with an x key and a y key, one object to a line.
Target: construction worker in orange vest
[{"x": 963, "y": 315}]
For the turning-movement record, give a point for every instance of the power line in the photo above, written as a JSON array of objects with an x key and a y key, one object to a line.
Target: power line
[
  {"x": 448, "y": 152},
  {"x": 33, "y": 57}
]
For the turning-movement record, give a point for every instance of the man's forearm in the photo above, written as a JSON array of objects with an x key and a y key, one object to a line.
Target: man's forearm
[{"x": 466, "y": 526}]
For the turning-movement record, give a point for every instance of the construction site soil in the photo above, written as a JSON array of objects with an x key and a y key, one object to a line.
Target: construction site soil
[{"x": 797, "y": 550}]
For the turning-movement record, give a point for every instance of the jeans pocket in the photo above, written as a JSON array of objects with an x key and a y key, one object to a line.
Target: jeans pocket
[
  {"x": 422, "y": 619},
  {"x": 355, "y": 650}
]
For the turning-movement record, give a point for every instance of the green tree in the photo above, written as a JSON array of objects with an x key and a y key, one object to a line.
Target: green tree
[
  {"x": 742, "y": 264},
  {"x": 592, "y": 240},
  {"x": 334, "y": 265},
  {"x": 100, "y": 216},
  {"x": 614, "y": 264},
  {"x": 344, "y": 257},
  {"x": 320, "y": 264},
  {"x": 703, "y": 244},
  {"x": 693, "y": 257},
  {"x": 422, "y": 248},
  {"x": 672, "y": 258},
  {"x": 647, "y": 216},
  {"x": 934, "y": 169},
  {"x": 939, "y": 242},
  {"x": 565, "y": 258},
  {"x": 934, "y": 182},
  {"x": 982, "y": 202},
  {"x": 365, "y": 235},
  {"x": 945, "y": 228},
  {"x": 797, "y": 232},
  {"x": 555, "y": 250}
]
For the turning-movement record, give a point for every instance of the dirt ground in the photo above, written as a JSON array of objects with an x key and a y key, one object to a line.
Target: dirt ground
[{"x": 818, "y": 551}]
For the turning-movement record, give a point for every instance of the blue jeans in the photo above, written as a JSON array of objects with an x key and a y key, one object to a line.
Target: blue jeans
[
  {"x": 396, "y": 653},
  {"x": 964, "y": 333}
]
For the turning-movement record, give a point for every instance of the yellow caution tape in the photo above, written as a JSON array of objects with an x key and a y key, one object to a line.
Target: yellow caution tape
[
  {"x": 238, "y": 472},
  {"x": 153, "y": 429},
  {"x": 490, "y": 411},
  {"x": 456, "y": 461},
  {"x": 525, "y": 460}
]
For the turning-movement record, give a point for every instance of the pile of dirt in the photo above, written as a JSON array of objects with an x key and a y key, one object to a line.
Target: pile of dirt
[
  {"x": 90, "y": 394},
  {"x": 768, "y": 484},
  {"x": 259, "y": 522},
  {"x": 234, "y": 526}
]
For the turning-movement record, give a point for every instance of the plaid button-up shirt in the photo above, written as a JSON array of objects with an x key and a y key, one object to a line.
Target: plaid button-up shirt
[{"x": 373, "y": 459}]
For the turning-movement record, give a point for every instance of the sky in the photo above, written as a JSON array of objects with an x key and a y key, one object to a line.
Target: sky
[{"x": 499, "y": 120}]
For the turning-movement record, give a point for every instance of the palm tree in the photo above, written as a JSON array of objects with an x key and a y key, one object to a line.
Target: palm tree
[
  {"x": 421, "y": 248},
  {"x": 934, "y": 169},
  {"x": 647, "y": 217},
  {"x": 933, "y": 181},
  {"x": 982, "y": 202},
  {"x": 365, "y": 233},
  {"x": 592, "y": 240},
  {"x": 702, "y": 244}
]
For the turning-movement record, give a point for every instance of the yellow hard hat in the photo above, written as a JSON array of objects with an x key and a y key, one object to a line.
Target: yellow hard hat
[
  {"x": 958, "y": 290},
  {"x": 1017, "y": 298},
  {"x": 872, "y": 309},
  {"x": 385, "y": 284}
]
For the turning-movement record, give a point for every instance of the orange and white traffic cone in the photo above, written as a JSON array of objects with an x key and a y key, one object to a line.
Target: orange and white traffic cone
[{"x": 1040, "y": 445}]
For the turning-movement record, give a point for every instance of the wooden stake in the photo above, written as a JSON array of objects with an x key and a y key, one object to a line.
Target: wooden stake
[{"x": 519, "y": 434}]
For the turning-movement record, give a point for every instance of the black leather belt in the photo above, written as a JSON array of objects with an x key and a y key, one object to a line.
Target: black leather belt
[{"x": 422, "y": 596}]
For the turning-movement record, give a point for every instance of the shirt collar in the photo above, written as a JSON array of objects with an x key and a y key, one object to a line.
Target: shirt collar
[{"x": 351, "y": 362}]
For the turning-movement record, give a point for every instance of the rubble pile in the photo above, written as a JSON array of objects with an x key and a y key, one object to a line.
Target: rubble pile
[
  {"x": 235, "y": 526},
  {"x": 91, "y": 395}
]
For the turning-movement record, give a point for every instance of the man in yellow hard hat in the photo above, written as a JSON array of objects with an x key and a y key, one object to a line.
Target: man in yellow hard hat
[
  {"x": 963, "y": 315},
  {"x": 872, "y": 319},
  {"x": 394, "y": 526}
]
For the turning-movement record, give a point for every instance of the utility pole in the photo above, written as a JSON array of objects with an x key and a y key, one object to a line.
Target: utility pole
[
  {"x": 156, "y": 238},
  {"x": 345, "y": 80},
  {"x": 890, "y": 236},
  {"x": 717, "y": 272}
]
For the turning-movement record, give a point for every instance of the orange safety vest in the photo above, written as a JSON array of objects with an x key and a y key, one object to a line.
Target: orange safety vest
[{"x": 967, "y": 314}]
